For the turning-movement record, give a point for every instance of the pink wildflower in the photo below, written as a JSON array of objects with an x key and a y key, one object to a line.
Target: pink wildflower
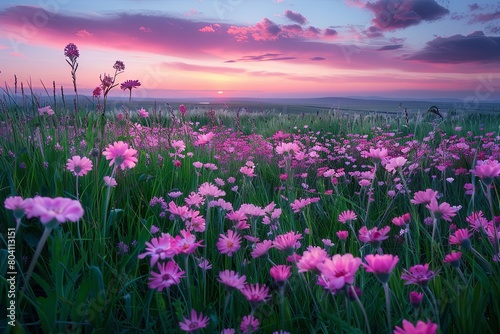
[
  {"x": 424, "y": 197},
  {"x": 453, "y": 259},
  {"x": 79, "y": 166},
  {"x": 342, "y": 235},
  {"x": 347, "y": 217},
  {"x": 261, "y": 248},
  {"x": 110, "y": 181},
  {"x": 169, "y": 274},
  {"x": 443, "y": 210},
  {"x": 54, "y": 210},
  {"x": 143, "y": 113},
  {"x": 229, "y": 244},
  {"x": 160, "y": 248},
  {"x": 204, "y": 139},
  {"x": 287, "y": 242},
  {"x": 183, "y": 110},
  {"x": 487, "y": 170},
  {"x": 256, "y": 293},
  {"x": 194, "y": 322},
  {"x": 186, "y": 242},
  {"x": 402, "y": 220},
  {"x": 418, "y": 274},
  {"x": 380, "y": 265},
  {"x": 249, "y": 324},
  {"x": 395, "y": 164},
  {"x": 210, "y": 190},
  {"x": 232, "y": 280},
  {"x": 311, "y": 258},
  {"x": 374, "y": 236},
  {"x": 421, "y": 327},
  {"x": 120, "y": 155},
  {"x": 338, "y": 271},
  {"x": 299, "y": 204},
  {"x": 416, "y": 298},
  {"x": 129, "y": 84},
  {"x": 280, "y": 273},
  {"x": 461, "y": 237}
]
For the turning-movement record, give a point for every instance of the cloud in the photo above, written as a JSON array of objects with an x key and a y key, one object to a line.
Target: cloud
[
  {"x": 482, "y": 18},
  {"x": 295, "y": 17},
  {"x": 317, "y": 58},
  {"x": 83, "y": 33},
  {"x": 262, "y": 57},
  {"x": 390, "y": 47},
  {"x": 474, "y": 6},
  {"x": 392, "y": 15},
  {"x": 210, "y": 28},
  {"x": 144, "y": 29},
  {"x": 329, "y": 32},
  {"x": 475, "y": 47}
]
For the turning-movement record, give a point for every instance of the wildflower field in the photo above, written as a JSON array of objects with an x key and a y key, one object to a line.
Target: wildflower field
[{"x": 169, "y": 219}]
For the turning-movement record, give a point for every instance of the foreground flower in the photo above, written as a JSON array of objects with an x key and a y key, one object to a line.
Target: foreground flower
[
  {"x": 120, "y": 155},
  {"x": 418, "y": 274},
  {"x": 380, "y": 265},
  {"x": 170, "y": 274},
  {"x": 79, "y": 166},
  {"x": 338, "y": 271},
  {"x": 54, "y": 210},
  {"x": 194, "y": 322},
  {"x": 420, "y": 328}
]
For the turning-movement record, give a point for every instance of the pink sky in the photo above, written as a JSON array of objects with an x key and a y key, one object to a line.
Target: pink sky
[{"x": 243, "y": 48}]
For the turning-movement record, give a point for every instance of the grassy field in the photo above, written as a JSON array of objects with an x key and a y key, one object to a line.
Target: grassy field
[{"x": 266, "y": 218}]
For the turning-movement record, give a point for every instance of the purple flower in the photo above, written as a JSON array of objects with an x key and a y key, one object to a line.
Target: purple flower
[
  {"x": 418, "y": 274},
  {"x": 119, "y": 66},
  {"x": 129, "y": 84},
  {"x": 71, "y": 51}
]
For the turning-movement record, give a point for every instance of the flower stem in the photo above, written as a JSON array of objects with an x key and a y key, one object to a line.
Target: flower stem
[
  {"x": 362, "y": 309},
  {"x": 388, "y": 306},
  {"x": 39, "y": 248}
]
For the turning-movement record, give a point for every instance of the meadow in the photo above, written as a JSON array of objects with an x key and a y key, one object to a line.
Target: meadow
[{"x": 179, "y": 218}]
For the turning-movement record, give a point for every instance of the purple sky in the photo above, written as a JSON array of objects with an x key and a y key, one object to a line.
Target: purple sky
[{"x": 260, "y": 48}]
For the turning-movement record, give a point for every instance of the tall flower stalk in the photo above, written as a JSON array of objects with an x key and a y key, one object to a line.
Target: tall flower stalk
[{"x": 71, "y": 52}]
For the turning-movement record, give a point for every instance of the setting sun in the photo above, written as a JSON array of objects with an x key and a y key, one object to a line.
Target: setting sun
[{"x": 220, "y": 92}]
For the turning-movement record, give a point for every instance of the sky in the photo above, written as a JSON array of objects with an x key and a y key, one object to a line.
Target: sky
[{"x": 258, "y": 48}]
